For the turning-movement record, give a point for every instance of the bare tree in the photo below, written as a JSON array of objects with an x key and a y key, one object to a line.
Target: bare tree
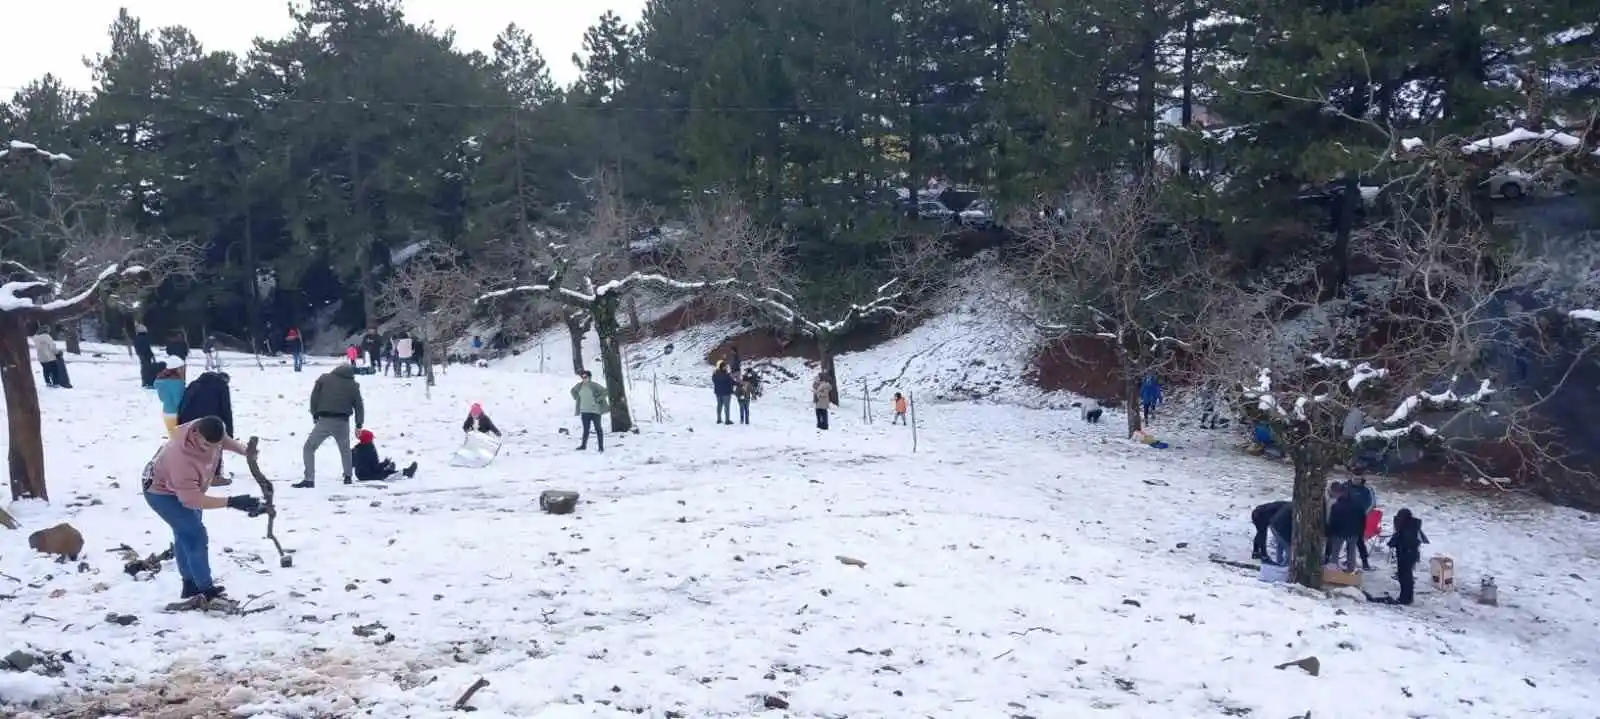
[
  {"x": 1411, "y": 360},
  {"x": 32, "y": 297},
  {"x": 726, "y": 239},
  {"x": 1119, "y": 271},
  {"x": 589, "y": 272},
  {"x": 431, "y": 296},
  {"x": 85, "y": 234}
]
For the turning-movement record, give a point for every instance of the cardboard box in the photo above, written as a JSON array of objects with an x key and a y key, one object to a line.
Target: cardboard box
[{"x": 1331, "y": 575}]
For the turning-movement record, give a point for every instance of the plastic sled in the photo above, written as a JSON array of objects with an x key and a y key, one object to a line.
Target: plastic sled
[{"x": 477, "y": 450}]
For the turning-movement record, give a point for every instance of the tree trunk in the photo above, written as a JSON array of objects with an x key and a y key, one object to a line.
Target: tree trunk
[
  {"x": 829, "y": 370},
  {"x": 74, "y": 333},
  {"x": 25, "y": 456},
  {"x": 1130, "y": 395},
  {"x": 1310, "y": 518},
  {"x": 609, "y": 330},
  {"x": 575, "y": 331}
]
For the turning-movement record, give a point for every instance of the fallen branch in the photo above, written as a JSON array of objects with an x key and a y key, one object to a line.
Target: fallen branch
[
  {"x": 267, "y": 506},
  {"x": 466, "y": 696}
]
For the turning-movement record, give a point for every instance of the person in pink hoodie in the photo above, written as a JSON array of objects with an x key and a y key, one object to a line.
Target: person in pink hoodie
[{"x": 175, "y": 484}]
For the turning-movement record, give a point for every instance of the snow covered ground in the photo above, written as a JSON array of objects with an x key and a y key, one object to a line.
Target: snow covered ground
[{"x": 1017, "y": 563}]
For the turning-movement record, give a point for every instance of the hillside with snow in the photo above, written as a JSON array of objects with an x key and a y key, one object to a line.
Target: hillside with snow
[{"x": 1001, "y": 562}]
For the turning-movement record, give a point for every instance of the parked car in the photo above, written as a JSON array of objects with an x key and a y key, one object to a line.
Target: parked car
[
  {"x": 934, "y": 210},
  {"x": 1514, "y": 184},
  {"x": 978, "y": 214}
]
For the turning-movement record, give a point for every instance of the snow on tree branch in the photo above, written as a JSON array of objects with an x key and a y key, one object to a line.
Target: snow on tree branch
[{"x": 1591, "y": 315}]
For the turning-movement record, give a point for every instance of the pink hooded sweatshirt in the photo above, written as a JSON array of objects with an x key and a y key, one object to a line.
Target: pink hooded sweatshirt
[{"x": 186, "y": 464}]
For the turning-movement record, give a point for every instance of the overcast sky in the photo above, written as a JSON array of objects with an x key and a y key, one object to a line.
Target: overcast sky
[{"x": 53, "y": 36}]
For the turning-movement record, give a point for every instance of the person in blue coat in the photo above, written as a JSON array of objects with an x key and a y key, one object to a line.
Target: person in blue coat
[
  {"x": 1149, "y": 396},
  {"x": 169, "y": 384}
]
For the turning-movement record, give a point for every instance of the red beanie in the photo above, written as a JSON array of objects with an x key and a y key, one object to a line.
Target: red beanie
[{"x": 364, "y": 436}]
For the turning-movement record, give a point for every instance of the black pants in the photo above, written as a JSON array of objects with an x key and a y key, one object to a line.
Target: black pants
[
  {"x": 592, "y": 420},
  {"x": 1361, "y": 548},
  {"x": 1408, "y": 581},
  {"x": 1258, "y": 548},
  {"x": 147, "y": 372},
  {"x": 822, "y": 418},
  {"x": 48, "y": 369}
]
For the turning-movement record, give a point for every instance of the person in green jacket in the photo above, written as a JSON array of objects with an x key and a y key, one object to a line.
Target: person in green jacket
[
  {"x": 334, "y": 399},
  {"x": 592, "y": 402}
]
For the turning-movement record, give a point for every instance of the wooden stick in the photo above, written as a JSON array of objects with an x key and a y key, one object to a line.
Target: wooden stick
[{"x": 466, "y": 696}]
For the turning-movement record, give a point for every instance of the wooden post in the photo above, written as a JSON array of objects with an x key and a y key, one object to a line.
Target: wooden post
[
  {"x": 866, "y": 404},
  {"x": 911, "y": 402}
]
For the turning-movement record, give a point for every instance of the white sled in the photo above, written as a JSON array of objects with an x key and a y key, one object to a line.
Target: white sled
[{"x": 477, "y": 450}]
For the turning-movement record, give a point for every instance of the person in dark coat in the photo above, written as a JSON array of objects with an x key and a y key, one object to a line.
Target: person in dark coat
[
  {"x": 1282, "y": 526},
  {"x": 1407, "y": 542},
  {"x": 1346, "y": 520},
  {"x": 735, "y": 362},
  {"x": 147, "y": 356},
  {"x": 1261, "y": 517},
  {"x": 1367, "y": 500},
  {"x": 209, "y": 396},
  {"x": 372, "y": 345},
  {"x": 722, "y": 387},
  {"x": 178, "y": 347},
  {"x": 478, "y": 421},
  {"x": 368, "y": 467}
]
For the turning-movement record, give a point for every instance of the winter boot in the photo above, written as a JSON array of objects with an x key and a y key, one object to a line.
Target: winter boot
[
  {"x": 221, "y": 481},
  {"x": 347, "y": 480},
  {"x": 410, "y": 470},
  {"x": 305, "y": 484}
]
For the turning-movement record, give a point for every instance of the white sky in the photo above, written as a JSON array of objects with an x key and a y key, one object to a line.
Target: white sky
[{"x": 54, "y": 36}]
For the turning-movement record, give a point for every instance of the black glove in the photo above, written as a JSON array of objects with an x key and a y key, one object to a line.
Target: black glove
[{"x": 244, "y": 503}]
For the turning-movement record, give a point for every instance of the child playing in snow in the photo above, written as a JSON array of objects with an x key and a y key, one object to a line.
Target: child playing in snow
[
  {"x": 169, "y": 386},
  {"x": 742, "y": 392},
  {"x": 352, "y": 353},
  {"x": 900, "y": 408},
  {"x": 368, "y": 467},
  {"x": 477, "y": 421}
]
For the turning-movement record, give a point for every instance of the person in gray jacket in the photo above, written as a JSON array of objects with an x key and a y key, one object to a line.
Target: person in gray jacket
[
  {"x": 591, "y": 401},
  {"x": 335, "y": 398}
]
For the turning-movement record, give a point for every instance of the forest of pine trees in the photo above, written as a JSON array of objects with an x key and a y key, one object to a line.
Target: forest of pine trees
[{"x": 314, "y": 156}]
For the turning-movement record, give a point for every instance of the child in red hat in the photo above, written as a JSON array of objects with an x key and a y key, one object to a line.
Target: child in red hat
[{"x": 368, "y": 467}]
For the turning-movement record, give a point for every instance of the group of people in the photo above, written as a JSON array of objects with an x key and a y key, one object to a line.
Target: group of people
[
  {"x": 395, "y": 355},
  {"x": 52, "y": 364},
  {"x": 729, "y": 383},
  {"x": 1352, "y": 519}
]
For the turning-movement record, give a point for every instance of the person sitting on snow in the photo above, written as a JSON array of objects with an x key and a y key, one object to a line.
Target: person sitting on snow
[
  {"x": 368, "y": 467},
  {"x": 477, "y": 421}
]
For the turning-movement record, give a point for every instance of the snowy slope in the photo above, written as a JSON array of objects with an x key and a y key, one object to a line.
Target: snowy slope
[
  {"x": 1018, "y": 562},
  {"x": 972, "y": 347}
]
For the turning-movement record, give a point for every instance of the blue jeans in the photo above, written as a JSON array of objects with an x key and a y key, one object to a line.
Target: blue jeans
[
  {"x": 189, "y": 540},
  {"x": 1280, "y": 548},
  {"x": 299, "y": 361}
]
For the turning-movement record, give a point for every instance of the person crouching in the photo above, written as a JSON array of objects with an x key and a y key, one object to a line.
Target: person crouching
[
  {"x": 175, "y": 483},
  {"x": 368, "y": 467}
]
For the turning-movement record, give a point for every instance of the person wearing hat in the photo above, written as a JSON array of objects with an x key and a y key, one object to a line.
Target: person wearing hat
[
  {"x": 592, "y": 401},
  {"x": 478, "y": 421},
  {"x": 368, "y": 467},
  {"x": 169, "y": 384}
]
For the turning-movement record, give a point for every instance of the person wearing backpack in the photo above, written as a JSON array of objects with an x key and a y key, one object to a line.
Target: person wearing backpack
[{"x": 591, "y": 400}]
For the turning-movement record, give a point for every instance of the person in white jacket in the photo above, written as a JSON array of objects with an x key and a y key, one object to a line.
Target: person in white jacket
[
  {"x": 402, "y": 355},
  {"x": 50, "y": 363}
]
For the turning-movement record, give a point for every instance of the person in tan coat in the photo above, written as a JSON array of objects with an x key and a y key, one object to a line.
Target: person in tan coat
[{"x": 821, "y": 398}]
